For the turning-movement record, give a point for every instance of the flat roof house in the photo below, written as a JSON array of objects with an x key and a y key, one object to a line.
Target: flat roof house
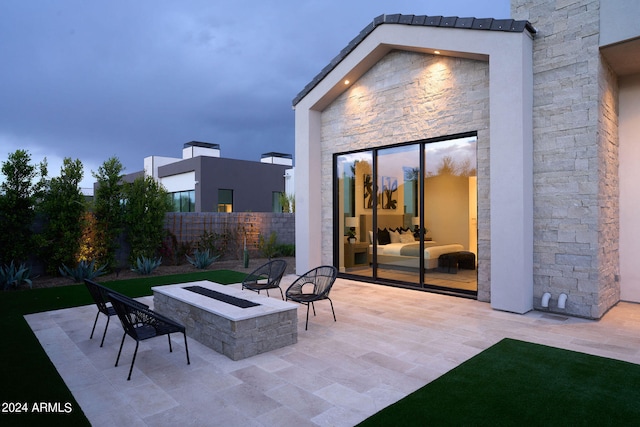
[
  {"x": 485, "y": 158},
  {"x": 202, "y": 181}
]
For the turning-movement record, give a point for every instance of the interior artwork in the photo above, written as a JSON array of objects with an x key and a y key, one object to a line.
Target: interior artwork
[{"x": 387, "y": 197}]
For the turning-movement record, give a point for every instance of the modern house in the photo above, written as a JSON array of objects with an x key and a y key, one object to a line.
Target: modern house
[
  {"x": 203, "y": 181},
  {"x": 492, "y": 159}
]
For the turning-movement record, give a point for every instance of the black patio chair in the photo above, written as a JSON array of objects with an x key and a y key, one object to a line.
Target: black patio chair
[
  {"x": 266, "y": 277},
  {"x": 142, "y": 323},
  {"x": 100, "y": 296},
  {"x": 313, "y": 286}
]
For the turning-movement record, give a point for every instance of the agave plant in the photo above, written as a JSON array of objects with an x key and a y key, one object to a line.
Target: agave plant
[
  {"x": 84, "y": 270},
  {"x": 145, "y": 266},
  {"x": 10, "y": 275},
  {"x": 201, "y": 259}
]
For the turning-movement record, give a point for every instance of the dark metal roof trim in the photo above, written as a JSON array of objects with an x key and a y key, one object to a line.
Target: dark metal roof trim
[
  {"x": 490, "y": 24},
  {"x": 201, "y": 144}
]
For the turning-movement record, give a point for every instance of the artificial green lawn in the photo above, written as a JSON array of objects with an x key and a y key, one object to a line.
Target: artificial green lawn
[
  {"x": 515, "y": 383},
  {"x": 27, "y": 375}
]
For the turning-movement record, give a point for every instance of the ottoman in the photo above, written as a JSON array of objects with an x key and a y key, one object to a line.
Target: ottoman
[
  {"x": 448, "y": 263},
  {"x": 466, "y": 260}
]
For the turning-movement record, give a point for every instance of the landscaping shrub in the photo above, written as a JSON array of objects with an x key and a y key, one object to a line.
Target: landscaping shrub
[
  {"x": 108, "y": 210},
  {"x": 19, "y": 193},
  {"x": 10, "y": 275},
  {"x": 63, "y": 206},
  {"x": 201, "y": 259},
  {"x": 286, "y": 249},
  {"x": 173, "y": 250},
  {"x": 145, "y": 266},
  {"x": 145, "y": 207},
  {"x": 268, "y": 247},
  {"x": 84, "y": 270},
  {"x": 216, "y": 243}
]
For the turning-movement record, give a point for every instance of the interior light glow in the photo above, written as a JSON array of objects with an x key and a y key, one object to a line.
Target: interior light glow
[
  {"x": 346, "y": 82},
  {"x": 437, "y": 52}
]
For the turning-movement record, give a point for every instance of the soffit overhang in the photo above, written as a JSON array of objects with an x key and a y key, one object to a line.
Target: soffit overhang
[{"x": 445, "y": 24}]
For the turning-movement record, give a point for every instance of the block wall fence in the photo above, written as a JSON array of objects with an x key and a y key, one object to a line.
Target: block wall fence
[{"x": 190, "y": 226}]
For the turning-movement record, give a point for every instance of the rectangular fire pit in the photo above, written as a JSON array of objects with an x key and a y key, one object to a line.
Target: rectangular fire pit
[{"x": 236, "y": 323}]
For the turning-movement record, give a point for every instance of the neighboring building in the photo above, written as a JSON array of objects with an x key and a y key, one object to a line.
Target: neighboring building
[
  {"x": 202, "y": 181},
  {"x": 511, "y": 143}
]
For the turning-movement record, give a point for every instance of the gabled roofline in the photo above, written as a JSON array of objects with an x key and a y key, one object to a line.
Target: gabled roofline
[{"x": 486, "y": 24}]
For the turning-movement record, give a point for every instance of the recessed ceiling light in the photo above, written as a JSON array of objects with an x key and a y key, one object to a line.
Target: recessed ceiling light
[
  {"x": 347, "y": 82},
  {"x": 437, "y": 52}
]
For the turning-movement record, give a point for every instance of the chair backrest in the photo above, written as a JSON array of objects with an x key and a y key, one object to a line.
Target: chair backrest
[
  {"x": 99, "y": 295},
  {"x": 127, "y": 313},
  {"x": 272, "y": 271},
  {"x": 321, "y": 277}
]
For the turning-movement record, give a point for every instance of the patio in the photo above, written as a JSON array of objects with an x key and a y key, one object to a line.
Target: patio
[{"x": 386, "y": 343}]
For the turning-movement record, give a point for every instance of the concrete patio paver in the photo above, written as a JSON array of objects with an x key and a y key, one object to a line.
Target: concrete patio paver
[{"x": 387, "y": 342}]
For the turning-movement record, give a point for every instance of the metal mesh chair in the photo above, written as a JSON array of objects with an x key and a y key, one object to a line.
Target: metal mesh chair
[
  {"x": 100, "y": 296},
  {"x": 313, "y": 286},
  {"x": 266, "y": 277},
  {"x": 141, "y": 323}
]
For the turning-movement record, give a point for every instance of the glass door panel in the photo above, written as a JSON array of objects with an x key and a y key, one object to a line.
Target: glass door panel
[
  {"x": 396, "y": 250},
  {"x": 450, "y": 215},
  {"x": 353, "y": 242}
]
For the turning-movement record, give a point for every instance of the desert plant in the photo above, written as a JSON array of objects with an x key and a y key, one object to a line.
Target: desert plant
[
  {"x": 201, "y": 259},
  {"x": 268, "y": 247},
  {"x": 173, "y": 250},
  {"x": 216, "y": 243},
  {"x": 84, "y": 270},
  {"x": 10, "y": 275},
  {"x": 145, "y": 266}
]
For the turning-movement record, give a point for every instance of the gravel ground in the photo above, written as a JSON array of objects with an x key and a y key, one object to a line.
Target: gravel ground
[{"x": 162, "y": 270}]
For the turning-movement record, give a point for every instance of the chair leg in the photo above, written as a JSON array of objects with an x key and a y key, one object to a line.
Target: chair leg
[
  {"x": 334, "y": 313},
  {"x": 281, "y": 294},
  {"x": 186, "y": 348},
  {"x": 133, "y": 361},
  {"x": 120, "y": 351},
  {"x": 314, "y": 309},
  {"x": 94, "y": 325},
  {"x": 169, "y": 338},
  {"x": 306, "y": 325},
  {"x": 104, "y": 334}
]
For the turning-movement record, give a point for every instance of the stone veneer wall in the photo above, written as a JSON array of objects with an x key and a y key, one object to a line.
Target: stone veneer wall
[
  {"x": 405, "y": 97},
  {"x": 575, "y": 158}
]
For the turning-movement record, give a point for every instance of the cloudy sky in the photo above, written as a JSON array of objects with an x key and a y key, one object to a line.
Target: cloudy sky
[{"x": 97, "y": 79}]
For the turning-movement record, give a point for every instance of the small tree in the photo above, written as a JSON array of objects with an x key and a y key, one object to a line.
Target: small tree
[
  {"x": 19, "y": 195},
  {"x": 64, "y": 207},
  {"x": 108, "y": 208},
  {"x": 146, "y": 204}
]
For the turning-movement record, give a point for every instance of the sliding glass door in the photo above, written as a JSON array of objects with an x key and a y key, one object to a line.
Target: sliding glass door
[{"x": 407, "y": 214}]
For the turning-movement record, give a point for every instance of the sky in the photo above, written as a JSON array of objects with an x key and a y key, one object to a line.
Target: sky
[{"x": 91, "y": 80}]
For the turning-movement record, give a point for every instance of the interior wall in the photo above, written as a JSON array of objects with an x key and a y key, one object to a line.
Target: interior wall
[
  {"x": 446, "y": 201},
  {"x": 629, "y": 132}
]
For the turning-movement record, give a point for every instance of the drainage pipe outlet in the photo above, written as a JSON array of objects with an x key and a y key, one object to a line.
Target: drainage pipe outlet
[
  {"x": 545, "y": 299},
  {"x": 562, "y": 300}
]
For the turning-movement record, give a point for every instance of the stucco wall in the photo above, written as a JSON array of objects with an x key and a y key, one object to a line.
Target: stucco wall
[
  {"x": 575, "y": 158},
  {"x": 405, "y": 97}
]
